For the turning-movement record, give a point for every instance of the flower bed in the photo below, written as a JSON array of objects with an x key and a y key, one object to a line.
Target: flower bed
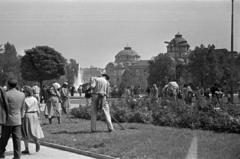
[{"x": 201, "y": 115}]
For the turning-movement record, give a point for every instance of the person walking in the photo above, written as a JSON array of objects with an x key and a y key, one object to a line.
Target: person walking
[
  {"x": 100, "y": 86},
  {"x": 72, "y": 90},
  {"x": 36, "y": 91},
  {"x": 64, "y": 93},
  {"x": 3, "y": 106},
  {"x": 31, "y": 128},
  {"x": 80, "y": 90},
  {"x": 52, "y": 108},
  {"x": 12, "y": 127}
]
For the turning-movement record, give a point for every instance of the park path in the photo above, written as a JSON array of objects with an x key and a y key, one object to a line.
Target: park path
[
  {"x": 44, "y": 153},
  {"x": 192, "y": 152}
]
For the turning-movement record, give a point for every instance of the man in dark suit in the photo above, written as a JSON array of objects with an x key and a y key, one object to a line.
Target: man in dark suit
[
  {"x": 13, "y": 123},
  {"x": 3, "y": 106}
]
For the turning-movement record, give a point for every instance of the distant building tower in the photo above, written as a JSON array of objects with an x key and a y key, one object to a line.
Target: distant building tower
[{"x": 178, "y": 48}]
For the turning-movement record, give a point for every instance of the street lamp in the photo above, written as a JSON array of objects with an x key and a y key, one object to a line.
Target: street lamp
[{"x": 232, "y": 100}]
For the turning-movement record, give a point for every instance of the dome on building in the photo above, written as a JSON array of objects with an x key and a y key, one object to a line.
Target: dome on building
[
  {"x": 128, "y": 51},
  {"x": 178, "y": 39},
  {"x": 180, "y": 61}
]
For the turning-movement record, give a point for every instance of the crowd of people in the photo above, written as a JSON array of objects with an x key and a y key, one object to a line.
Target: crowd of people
[
  {"x": 175, "y": 92},
  {"x": 20, "y": 110}
]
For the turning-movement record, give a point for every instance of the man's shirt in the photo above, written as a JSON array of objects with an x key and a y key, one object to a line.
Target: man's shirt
[{"x": 100, "y": 85}]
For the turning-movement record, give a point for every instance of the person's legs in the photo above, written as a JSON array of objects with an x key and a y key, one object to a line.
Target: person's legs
[
  {"x": 50, "y": 120},
  {"x": 37, "y": 145},
  {"x": 94, "y": 113},
  {"x": 6, "y": 131},
  {"x": 106, "y": 112},
  {"x": 16, "y": 137},
  {"x": 59, "y": 120},
  {"x": 26, "y": 151}
]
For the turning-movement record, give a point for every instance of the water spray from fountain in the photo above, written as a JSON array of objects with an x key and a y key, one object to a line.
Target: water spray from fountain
[{"x": 78, "y": 78}]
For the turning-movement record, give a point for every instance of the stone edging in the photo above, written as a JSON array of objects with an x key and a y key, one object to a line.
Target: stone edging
[{"x": 77, "y": 151}]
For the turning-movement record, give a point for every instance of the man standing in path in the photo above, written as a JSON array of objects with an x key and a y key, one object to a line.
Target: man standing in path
[
  {"x": 13, "y": 123},
  {"x": 100, "y": 86},
  {"x": 36, "y": 92}
]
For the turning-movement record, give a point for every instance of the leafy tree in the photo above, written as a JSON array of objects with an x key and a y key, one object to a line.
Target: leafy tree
[
  {"x": 9, "y": 63},
  {"x": 42, "y": 63},
  {"x": 160, "y": 68},
  {"x": 209, "y": 65}
]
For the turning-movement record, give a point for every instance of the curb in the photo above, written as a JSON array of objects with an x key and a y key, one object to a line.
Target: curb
[{"x": 77, "y": 151}]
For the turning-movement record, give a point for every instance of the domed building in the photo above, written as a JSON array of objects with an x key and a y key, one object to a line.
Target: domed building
[
  {"x": 178, "y": 48},
  {"x": 123, "y": 60}
]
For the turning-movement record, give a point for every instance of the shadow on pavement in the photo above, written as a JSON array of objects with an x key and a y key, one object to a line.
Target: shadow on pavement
[{"x": 79, "y": 132}]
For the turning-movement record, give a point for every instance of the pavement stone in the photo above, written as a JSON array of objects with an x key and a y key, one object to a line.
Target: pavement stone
[{"x": 44, "y": 153}]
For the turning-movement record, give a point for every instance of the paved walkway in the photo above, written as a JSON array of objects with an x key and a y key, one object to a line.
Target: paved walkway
[{"x": 44, "y": 153}]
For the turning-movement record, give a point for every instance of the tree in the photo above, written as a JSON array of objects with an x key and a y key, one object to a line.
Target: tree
[
  {"x": 160, "y": 68},
  {"x": 209, "y": 65},
  {"x": 42, "y": 63},
  {"x": 9, "y": 63}
]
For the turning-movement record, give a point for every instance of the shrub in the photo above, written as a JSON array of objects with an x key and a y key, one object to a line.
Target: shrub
[
  {"x": 82, "y": 112},
  {"x": 202, "y": 114}
]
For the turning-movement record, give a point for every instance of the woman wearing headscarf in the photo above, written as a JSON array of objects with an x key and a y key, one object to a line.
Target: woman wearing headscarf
[
  {"x": 65, "y": 97},
  {"x": 52, "y": 109},
  {"x": 31, "y": 128}
]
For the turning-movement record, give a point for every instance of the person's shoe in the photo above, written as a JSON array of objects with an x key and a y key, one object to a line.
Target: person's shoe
[
  {"x": 2, "y": 156},
  {"x": 110, "y": 130},
  {"x": 37, "y": 147},
  {"x": 25, "y": 152}
]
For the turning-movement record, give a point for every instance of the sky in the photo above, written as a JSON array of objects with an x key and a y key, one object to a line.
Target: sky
[{"x": 93, "y": 31}]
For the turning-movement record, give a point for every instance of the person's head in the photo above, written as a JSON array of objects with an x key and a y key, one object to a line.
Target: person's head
[
  {"x": 154, "y": 85},
  {"x": 12, "y": 83},
  {"x": 185, "y": 85},
  {"x": 106, "y": 76},
  {"x": 28, "y": 91},
  {"x": 65, "y": 85}
]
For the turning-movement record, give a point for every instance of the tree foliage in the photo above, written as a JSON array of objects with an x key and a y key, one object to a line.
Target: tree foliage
[
  {"x": 160, "y": 68},
  {"x": 42, "y": 63},
  {"x": 209, "y": 65},
  {"x": 9, "y": 63}
]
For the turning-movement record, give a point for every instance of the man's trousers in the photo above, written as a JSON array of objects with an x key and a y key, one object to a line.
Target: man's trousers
[
  {"x": 106, "y": 111},
  {"x": 15, "y": 131}
]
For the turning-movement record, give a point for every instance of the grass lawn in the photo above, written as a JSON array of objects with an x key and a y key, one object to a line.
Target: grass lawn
[{"x": 141, "y": 141}]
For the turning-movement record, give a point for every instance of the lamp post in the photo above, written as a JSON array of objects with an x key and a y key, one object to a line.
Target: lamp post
[{"x": 232, "y": 97}]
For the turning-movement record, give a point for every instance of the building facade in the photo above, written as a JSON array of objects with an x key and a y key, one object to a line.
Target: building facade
[
  {"x": 87, "y": 73},
  {"x": 123, "y": 60}
]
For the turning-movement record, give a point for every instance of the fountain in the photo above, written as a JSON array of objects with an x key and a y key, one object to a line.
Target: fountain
[{"x": 78, "y": 78}]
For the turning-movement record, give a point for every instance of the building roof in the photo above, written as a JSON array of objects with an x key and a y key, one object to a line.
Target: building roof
[
  {"x": 128, "y": 51},
  {"x": 141, "y": 63},
  {"x": 178, "y": 40}
]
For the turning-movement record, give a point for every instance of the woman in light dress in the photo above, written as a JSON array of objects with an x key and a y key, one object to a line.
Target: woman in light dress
[{"x": 31, "y": 128}]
